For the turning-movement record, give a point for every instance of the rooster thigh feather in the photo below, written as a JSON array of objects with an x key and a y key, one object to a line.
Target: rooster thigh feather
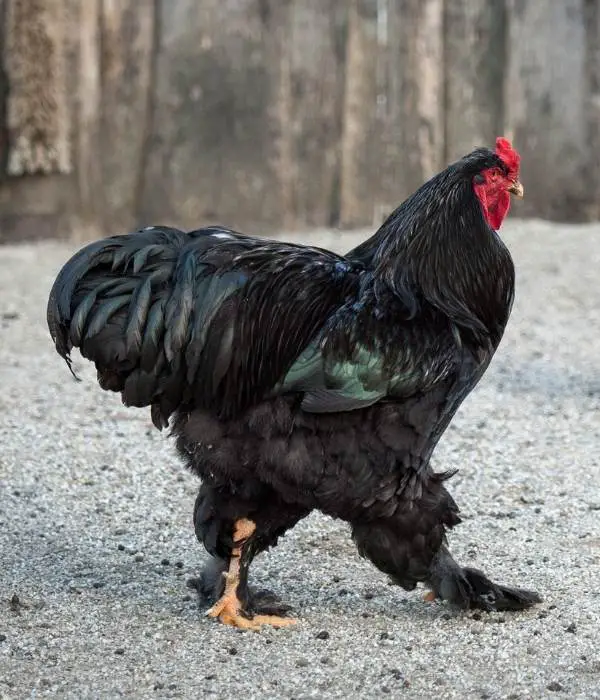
[{"x": 347, "y": 466}]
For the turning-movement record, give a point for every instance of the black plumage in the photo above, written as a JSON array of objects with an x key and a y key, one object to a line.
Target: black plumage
[{"x": 297, "y": 379}]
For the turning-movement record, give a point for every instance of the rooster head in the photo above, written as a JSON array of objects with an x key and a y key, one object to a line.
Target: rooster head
[{"x": 493, "y": 186}]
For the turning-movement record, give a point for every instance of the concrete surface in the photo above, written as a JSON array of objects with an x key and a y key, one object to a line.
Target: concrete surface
[{"x": 97, "y": 542}]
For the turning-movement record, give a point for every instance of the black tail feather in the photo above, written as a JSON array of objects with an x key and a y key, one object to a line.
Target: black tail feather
[{"x": 69, "y": 361}]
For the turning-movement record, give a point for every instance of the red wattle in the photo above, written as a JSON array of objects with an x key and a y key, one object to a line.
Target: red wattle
[{"x": 495, "y": 204}]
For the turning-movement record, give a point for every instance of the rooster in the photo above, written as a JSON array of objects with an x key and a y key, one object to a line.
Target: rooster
[{"x": 296, "y": 379}]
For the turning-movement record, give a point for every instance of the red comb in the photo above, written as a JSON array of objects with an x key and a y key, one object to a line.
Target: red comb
[{"x": 509, "y": 156}]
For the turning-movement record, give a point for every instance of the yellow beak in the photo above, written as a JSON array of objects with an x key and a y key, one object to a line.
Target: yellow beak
[{"x": 517, "y": 189}]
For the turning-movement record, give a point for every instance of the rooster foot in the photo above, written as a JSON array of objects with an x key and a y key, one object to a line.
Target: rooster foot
[
  {"x": 228, "y": 610},
  {"x": 256, "y": 601}
]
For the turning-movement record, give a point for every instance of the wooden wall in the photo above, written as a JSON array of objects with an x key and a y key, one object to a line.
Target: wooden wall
[{"x": 269, "y": 114}]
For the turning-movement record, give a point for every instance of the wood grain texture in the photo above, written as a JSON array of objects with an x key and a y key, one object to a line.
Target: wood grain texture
[
  {"x": 211, "y": 152},
  {"x": 412, "y": 126},
  {"x": 546, "y": 104},
  {"x": 263, "y": 114},
  {"x": 359, "y": 149},
  {"x": 127, "y": 45},
  {"x": 474, "y": 60}
]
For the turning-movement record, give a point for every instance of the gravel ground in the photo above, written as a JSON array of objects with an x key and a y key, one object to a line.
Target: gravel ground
[{"x": 97, "y": 541}]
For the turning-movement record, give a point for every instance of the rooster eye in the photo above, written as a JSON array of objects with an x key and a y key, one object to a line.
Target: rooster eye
[{"x": 479, "y": 179}]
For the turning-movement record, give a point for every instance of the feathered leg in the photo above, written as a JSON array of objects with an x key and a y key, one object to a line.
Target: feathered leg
[
  {"x": 410, "y": 547},
  {"x": 234, "y": 540},
  {"x": 470, "y": 588}
]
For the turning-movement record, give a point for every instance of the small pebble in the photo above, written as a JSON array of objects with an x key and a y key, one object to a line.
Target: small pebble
[{"x": 324, "y": 634}]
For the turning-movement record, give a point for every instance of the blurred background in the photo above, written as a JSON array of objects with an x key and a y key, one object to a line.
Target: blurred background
[
  {"x": 285, "y": 114},
  {"x": 313, "y": 119}
]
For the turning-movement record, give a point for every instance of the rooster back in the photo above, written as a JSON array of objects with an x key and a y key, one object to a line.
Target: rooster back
[{"x": 210, "y": 318}]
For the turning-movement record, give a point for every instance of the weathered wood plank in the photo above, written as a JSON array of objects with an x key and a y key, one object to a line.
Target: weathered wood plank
[
  {"x": 305, "y": 59},
  {"x": 474, "y": 62},
  {"x": 127, "y": 44},
  {"x": 36, "y": 104},
  {"x": 358, "y": 174},
  {"x": 411, "y": 125},
  {"x": 44, "y": 206},
  {"x": 592, "y": 105},
  {"x": 269, "y": 113},
  {"x": 90, "y": 185},
  {"x": 314, "y": 56},
  {"x": 4, "y": 87},
  {"x": 277, "y": 21},
  {"x": 546, "y": 98},
  {"x": 211, "y": 153}
]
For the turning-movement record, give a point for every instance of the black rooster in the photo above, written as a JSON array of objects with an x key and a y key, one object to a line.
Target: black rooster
[{"x": 297, "y": 379}]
